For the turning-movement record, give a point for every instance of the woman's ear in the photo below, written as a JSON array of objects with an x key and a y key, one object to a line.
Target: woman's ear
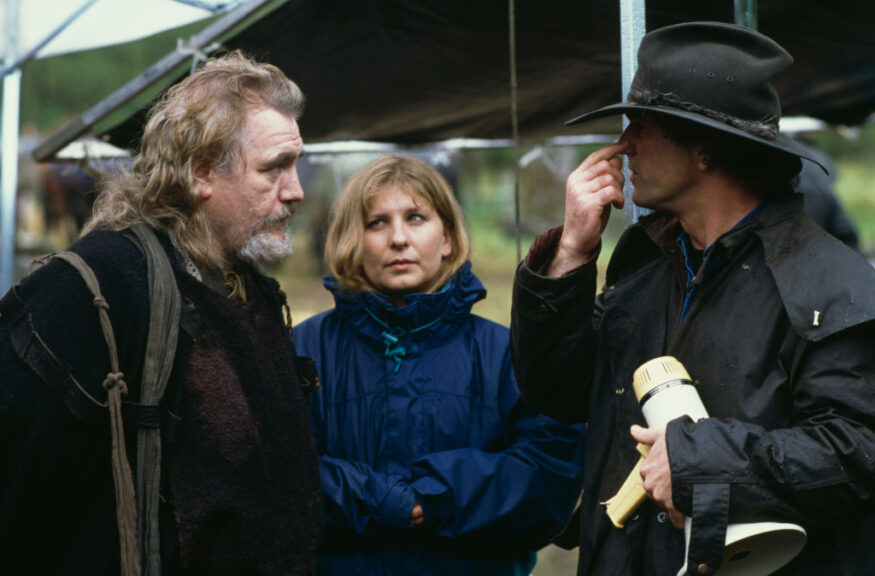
[{"x": 447, "y": 247}]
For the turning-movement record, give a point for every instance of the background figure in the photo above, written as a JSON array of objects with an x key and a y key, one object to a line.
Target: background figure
[
  {"x": 773, "y": 319},
  {"x": 69, "y": 193},
  {"x": 821, "y": 202},
  {"x": 430, "y": 462},
  {"x": 235, "y": 489}
]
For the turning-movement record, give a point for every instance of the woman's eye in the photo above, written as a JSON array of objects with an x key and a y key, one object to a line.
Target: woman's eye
[
  {"x": 375, "y": 223},
  {"x": 415, "y": 218}
]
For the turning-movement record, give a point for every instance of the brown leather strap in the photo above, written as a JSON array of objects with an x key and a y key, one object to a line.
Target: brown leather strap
[
  {"x": 125, "y": 499},
  {"x": 165, "y": 306}
]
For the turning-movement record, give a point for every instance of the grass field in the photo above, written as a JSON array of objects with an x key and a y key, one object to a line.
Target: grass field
[{"x": 856, "y": 187}]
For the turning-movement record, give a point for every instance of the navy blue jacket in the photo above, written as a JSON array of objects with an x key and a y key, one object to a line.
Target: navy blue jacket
[{"x": 420, "y": 404}]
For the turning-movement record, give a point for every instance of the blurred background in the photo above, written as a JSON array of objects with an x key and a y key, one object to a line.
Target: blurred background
[{"x": 490, "y": 178}]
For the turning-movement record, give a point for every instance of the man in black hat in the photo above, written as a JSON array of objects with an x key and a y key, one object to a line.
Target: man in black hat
[{"x": 773, "y": 319}]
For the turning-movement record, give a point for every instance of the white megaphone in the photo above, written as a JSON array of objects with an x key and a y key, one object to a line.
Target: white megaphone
[{"x": 665, "y": 392}]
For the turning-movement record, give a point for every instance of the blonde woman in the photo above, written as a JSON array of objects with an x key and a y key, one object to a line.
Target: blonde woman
[{"x": 429, "y": 462}]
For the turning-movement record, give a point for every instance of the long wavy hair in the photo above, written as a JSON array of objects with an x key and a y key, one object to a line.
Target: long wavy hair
[
  {"x": 343, "y": 247},
  {"x": 195, "y": 123}
]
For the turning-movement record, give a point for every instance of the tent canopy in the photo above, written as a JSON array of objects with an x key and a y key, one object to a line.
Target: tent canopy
[
  {"x": 94, "y": 23},
  {"x": 38, "y": 28},
  {"x": 429, "y": 70}
]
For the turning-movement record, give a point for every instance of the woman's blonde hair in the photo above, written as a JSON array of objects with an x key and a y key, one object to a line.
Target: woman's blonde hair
[
  {"x": 197, "y": 122},
  {"x": 343, "y": 248}
]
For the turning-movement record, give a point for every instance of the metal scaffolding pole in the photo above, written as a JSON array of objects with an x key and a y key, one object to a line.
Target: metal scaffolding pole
[
  {"x": 746, "y": 13},
  {"x": 632, "y": 29},
  {"x": 9, "y": 150}
]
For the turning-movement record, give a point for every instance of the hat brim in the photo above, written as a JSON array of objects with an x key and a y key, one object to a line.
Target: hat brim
[{"x": 782, "y": 142}]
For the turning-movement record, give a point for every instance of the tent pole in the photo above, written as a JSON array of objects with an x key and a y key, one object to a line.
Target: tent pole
[
  {"x": 11, "y": 74},
  {"x": 746, "y": 13},
  {"x": 632, "y": 29},
  {"x": 514, "y": 115},
  {"x": 9, "y": 161}
]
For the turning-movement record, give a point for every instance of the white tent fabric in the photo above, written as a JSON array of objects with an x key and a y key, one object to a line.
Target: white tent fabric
[
  {"x": 89, "y": 147},
  {"x": 41, "y": 28},
  {"x": 99, "y": 22}
]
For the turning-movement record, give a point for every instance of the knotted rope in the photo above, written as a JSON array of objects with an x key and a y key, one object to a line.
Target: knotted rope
[
  {"x": 115, "y": 386},
  {"x": 125, "y": 498}
]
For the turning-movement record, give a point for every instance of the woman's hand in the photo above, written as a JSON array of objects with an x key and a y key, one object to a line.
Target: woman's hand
[{"x": 416, "y": 517}]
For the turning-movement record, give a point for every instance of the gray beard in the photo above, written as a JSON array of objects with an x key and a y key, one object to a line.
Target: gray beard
[{"x": 263, "y": 249}]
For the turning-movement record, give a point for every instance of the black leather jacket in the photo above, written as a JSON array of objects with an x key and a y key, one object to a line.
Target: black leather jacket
[{"x": 779, "y": 340}]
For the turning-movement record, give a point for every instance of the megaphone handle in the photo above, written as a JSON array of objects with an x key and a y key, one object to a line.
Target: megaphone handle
[{"x": 630, "y": 495}]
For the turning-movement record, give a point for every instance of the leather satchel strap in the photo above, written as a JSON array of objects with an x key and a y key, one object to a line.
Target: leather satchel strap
[
  {"x": 114, "y": 384},
  {"x": 165, "y": 305},
  {"x": 138, "y": 517}
]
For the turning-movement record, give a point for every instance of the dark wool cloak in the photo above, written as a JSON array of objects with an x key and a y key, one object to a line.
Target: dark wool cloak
[{"x": 240, "y": 489}]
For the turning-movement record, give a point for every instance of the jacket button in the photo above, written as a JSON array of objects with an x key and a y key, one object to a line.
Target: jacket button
[
  {"x": 662, "y": 517},
  {"x": 619, "y": 391},
  {"x": 702, "y": 569}
]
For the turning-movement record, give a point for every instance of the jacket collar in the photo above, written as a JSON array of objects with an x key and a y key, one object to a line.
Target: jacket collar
[
  {"x": 371, "y": 312},
  {"x": 664, "y": 230},
  {"x": 794, "y": 248},
  {"x": 797, "y": 253}
]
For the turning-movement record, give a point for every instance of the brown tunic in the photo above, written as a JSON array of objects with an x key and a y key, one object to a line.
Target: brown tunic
[{"x": 243, "y": 471}]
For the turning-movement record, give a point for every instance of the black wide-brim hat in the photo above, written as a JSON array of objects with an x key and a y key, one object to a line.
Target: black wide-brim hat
[{"x": 715, "y": 74}]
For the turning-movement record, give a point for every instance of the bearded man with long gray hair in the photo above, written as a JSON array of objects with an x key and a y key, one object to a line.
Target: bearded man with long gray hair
[{"x": 236, "y": 483}]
